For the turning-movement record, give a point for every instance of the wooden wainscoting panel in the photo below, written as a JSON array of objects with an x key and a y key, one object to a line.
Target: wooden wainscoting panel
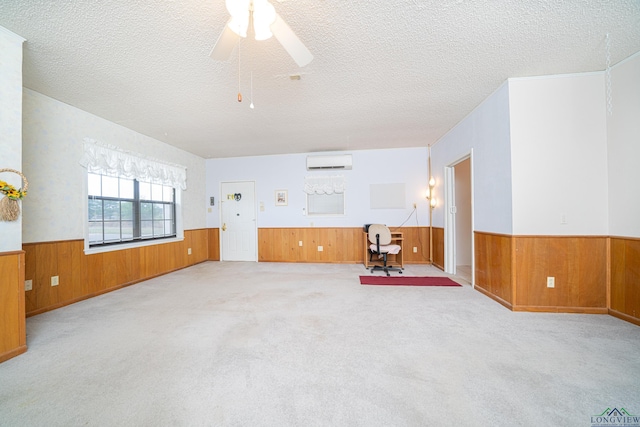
[
  {"x": 199, "y": 246},
  {"x": 591, "y": 277},
  {"x": 94, "y": 274},
  {"x": 578, "y": 265},
  {"x": 532, "y": 269},
  {"x": 12, "y": 305},
  {"x": 214, "y": 244},
  {"x": 79, "y": 269},
  {"x": 109, "y": 269},
  {"x": 632, "y": 278},
  {"x": 65, "y": 270},
  {"x": 618, "y": 274},
  {"x": 493, "y": 266},
  {"x": 30, "y": 274},
  {"x": 46, "y": 267},
  {"x": 340, "y": 244},
  {"x": 83, "y": 276},
  {"x": 625, "y": 279},
  {"x": 181, "y": 251},
  {"x": 415, "y": 237},
  {"x": 125, "y": 271},
  {"x": 312, "y": 236},
  {"x": 149, "y": 261},
  {"x": 265, "y": 240},
  {"x": 438, "y": 247}
]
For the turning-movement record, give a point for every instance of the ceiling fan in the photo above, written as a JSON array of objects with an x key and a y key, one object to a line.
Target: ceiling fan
[{"x": 266, "y": 22}]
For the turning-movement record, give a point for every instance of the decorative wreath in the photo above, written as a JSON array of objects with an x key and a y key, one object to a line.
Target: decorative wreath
[{"x": 9, "y": 206}]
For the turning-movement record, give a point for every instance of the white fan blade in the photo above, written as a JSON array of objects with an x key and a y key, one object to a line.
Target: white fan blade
[
  {"x": 225, "y": 44},
  {"x": 291, "y": 42}
]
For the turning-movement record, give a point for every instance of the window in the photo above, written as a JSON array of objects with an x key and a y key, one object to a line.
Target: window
[
  {"x": 325, "y": 194},
  {"x": 325, "y": 204},
  {"x": 127, "y": 210}
]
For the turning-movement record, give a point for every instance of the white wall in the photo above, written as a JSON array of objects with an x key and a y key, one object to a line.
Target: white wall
[
  {"x": 559, "y": 155},
  {"x": 287, "y": 172},
  {"x": 11, "y": 129},
  {"x": 52, "y": 147},
  {"x": 486, "y": 130},
  {"x": 623, "y": 132}
]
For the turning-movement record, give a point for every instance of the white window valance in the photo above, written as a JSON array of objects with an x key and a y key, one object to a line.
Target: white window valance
[
  {"x": 110, "y": 160},
  {"x": 324, "y": 184}
]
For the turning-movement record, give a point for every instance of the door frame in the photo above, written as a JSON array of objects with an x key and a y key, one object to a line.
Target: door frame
[
  {"x": 449, "y": 217},
  {"x": 255, "y": 209}
]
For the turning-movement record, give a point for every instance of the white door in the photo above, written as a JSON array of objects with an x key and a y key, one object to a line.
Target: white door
[
  {"x": 449, "y": 221},
  {"x": 239, "y": 229}
]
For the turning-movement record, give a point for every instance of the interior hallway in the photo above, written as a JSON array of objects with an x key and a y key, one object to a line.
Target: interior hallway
[{"x": 305, "y": 344}]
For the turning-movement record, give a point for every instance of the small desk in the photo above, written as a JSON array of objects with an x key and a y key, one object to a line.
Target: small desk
[{"x": 392, "y": 260}]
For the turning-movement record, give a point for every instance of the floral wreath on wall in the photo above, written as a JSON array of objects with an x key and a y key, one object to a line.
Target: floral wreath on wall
[{"x": 9, "y": 207}]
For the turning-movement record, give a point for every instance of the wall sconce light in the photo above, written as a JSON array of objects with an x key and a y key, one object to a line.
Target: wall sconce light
[{"x": 429, "y": 193}]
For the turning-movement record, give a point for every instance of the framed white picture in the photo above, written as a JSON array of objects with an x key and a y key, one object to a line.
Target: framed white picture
[{"x": 282, "y": 198}]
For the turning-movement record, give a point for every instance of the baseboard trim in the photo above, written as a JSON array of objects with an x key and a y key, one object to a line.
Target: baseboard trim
[
  {"x": 13, "y": 353},
  {"x": 560, "y": 309},
  {"x": 625, "y": 317},
  {"x": 497, "y": 299},
  {"x": 295, "y": 261}
]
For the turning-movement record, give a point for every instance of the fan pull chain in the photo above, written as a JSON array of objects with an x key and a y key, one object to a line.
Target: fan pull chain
[
  {"x": 251, "y": 105},
  {"x": 239, "y": 94},
  {"x": 608, "y": 75}
]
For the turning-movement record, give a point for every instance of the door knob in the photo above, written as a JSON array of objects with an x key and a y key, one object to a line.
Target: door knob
[{"x": 224, "y": 226}]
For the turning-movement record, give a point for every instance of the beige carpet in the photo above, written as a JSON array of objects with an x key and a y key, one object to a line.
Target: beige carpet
[{"x": 264, "y": 344}]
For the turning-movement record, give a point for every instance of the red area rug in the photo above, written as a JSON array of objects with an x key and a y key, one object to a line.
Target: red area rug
[{"x": 407, "y": 281}]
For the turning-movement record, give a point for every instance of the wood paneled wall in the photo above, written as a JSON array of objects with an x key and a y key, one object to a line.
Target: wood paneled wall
[
  {"x": 13, "y": 337},
  {"x": 83, "y": 276},
  {"x": 340, "y": 245},
  {"x": 214, "y": 244},
  {"x": 514, "y": 269},
  {"x": 578, "y": 264},
  {"x": 438, "y": 247},
  {"x": 493, "y": 266},
  {"x": 625, "y": 279}
]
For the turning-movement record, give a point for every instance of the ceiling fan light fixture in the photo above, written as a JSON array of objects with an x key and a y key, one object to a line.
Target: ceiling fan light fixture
[
  {"x": 239, "y": 11},
  {"x": 264, "y": 14}
]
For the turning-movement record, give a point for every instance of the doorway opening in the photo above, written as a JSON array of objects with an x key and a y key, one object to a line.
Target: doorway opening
[{"x": 458, "y": 227}]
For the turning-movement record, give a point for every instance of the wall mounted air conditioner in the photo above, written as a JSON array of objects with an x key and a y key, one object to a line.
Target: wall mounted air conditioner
[{"x": 340, "y": 161}]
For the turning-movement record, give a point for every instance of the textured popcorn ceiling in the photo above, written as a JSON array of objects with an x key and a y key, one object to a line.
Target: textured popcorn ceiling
[{"x": 386, "y": 73}]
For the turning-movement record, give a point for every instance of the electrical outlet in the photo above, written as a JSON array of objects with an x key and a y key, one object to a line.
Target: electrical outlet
[
  {"x": 55, "y": 280},
  {"x": 189, "y": 251},
  {"x": 551, "y": 282},
  {"x": 415, "y": 249},
  {"x": 320, "y": 249},
  {"x": 28, "y": 285},
  {"x": 300, "y": 243}
]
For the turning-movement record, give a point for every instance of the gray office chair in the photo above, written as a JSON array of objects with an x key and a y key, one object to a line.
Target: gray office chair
[{"x": 379, "y": 237}]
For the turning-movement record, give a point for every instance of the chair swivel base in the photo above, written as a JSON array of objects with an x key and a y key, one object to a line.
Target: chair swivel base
[{"x": 386, "y": 269}]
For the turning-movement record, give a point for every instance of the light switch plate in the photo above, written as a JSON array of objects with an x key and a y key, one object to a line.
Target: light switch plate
[{"x": 28, "y": 285}]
